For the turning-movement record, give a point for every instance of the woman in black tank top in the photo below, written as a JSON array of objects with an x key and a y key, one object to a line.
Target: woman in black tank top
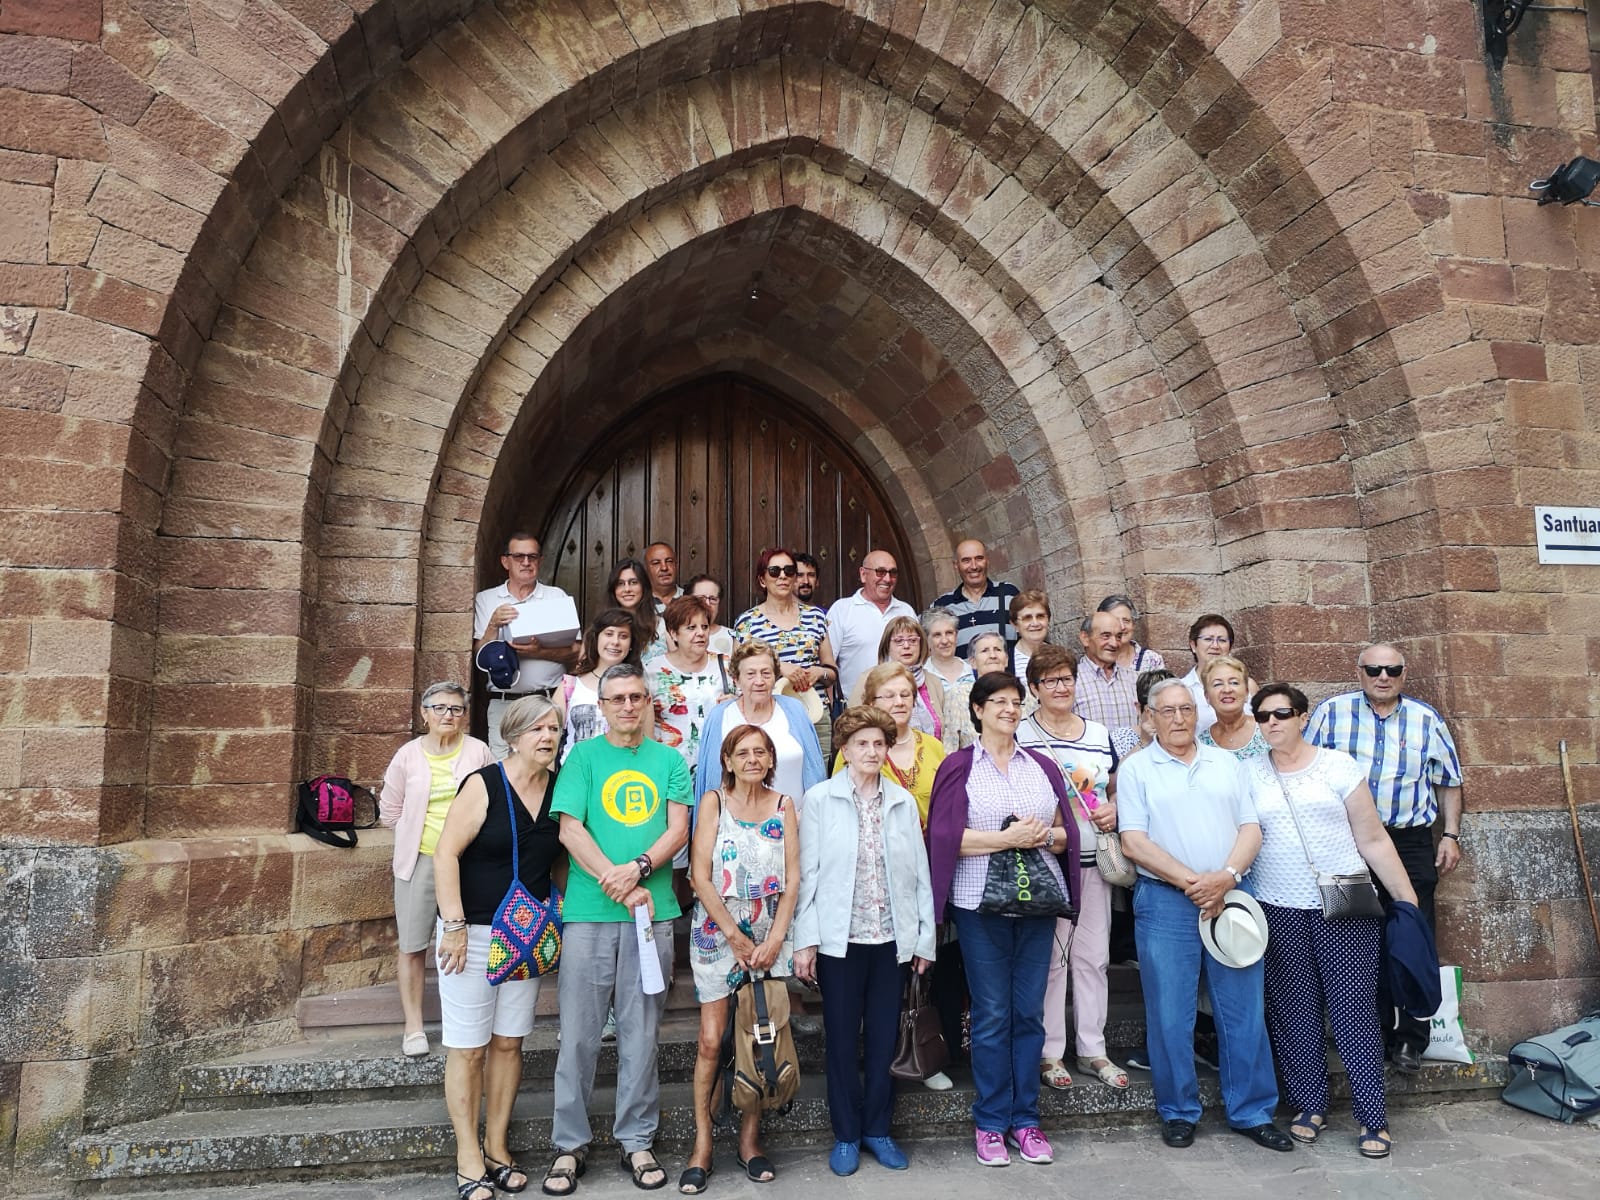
[{"x": 484, "y": 1025}]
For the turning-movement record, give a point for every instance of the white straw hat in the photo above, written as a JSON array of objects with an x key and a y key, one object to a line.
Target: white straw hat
[{"x": 1236, "y": 936}]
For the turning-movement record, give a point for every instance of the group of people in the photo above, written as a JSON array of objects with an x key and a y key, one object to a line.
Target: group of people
[{"x": 831, "y": 787}]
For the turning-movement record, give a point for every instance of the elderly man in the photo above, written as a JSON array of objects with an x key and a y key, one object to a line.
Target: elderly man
[
  {"x": 855, "y": 623},
  {"x": 623, "y": 803},
  {"x": 979, "y": 604},
  {"x": 1189, "y": 825},
  {"x": 1105, "y": 687},
  {"x": 661, "y": 562},
  {"x": 493, "y": 609},
  {"x": 1415, "y": 774}
]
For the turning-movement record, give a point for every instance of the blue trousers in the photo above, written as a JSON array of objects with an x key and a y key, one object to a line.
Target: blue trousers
[
  {"x": 860, "y": 998},
  {"x": 1172, "y": 961},
  {"x": 1008, "y": 963}
]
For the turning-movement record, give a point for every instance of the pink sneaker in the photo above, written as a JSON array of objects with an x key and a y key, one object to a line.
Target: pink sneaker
[
  {"x": 1032, "y": 1145},
  {"x": 991, "y": 1149}
]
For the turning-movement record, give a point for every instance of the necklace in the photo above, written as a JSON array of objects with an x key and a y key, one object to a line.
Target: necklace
[{"x": 1038, "y": 719}]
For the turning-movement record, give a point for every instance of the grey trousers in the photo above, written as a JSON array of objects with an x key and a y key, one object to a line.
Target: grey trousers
[{"x": 599, "y": 970}]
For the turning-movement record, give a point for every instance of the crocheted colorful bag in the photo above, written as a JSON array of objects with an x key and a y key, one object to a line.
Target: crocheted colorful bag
[{"x": 525, "y": 936}]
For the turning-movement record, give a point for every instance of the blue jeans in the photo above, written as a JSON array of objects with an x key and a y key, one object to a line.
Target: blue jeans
[
  {"x": 1172, "y": 961},
  {"x": 1008, "y": 961}
]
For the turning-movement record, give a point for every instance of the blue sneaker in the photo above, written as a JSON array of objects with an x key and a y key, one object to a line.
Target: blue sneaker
[
  {"x": 886, "y": 1152},
  {"x": 846, "y": 1157}
]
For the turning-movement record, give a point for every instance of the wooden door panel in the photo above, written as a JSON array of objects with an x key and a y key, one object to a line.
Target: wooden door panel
[{"x": 721, "y": 468}]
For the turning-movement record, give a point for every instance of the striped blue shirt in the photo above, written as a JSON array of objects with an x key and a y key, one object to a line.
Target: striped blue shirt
[{"x": 1407, "y": 754}]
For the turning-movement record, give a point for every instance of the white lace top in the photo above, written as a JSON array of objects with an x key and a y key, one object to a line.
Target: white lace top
[{"x": 1280, "y": 873}]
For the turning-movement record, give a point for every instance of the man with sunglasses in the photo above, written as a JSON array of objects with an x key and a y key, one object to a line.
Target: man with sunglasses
[
  {"x": 855, "y": 623},
  {"x": 493, "y": 609},
  {"x": 1415, "y": 775}
]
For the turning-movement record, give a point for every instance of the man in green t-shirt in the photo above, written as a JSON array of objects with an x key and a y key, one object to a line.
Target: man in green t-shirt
[{"x": 623, "y": 803}]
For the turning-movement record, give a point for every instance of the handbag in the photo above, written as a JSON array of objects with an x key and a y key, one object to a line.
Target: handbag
[
  {"x": 759, "y": 1070},
  {"x": 525, "y": 935},
  {"x": 919, "y": 1048},
  {"x": 1109, "y": 859},
  {"x": 1019, "y": 884},
  {"x": 1344, "y": 897},
  {"x": 332, "y": 808}
]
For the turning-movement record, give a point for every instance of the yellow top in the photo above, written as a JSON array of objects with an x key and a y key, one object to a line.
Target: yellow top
[{"x": 441, "y": 791}]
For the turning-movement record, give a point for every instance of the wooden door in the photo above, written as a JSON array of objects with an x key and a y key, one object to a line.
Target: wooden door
[{"x": 722, "y": 469}]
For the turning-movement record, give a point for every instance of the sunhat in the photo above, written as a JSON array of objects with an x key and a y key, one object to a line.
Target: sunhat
[{"x": 1236, "y": 936}]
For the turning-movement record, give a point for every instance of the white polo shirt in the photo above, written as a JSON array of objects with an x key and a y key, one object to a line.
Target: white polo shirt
[
  {"x": 855, "y": 627},
  {"x": 537, "y": 674}
]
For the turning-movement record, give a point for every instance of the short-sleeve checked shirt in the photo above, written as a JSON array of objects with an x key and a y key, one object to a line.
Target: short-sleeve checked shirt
[
  {"x": 992, "y": 796},
  {"x": 1110, "y": 701},
  {"x": 1406, "y": 755}
]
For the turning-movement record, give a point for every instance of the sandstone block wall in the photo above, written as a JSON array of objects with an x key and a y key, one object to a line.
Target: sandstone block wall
[{"x": 1238, "y": 306}]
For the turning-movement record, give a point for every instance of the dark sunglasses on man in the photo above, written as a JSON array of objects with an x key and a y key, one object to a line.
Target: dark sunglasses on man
[{"x": 1393, "y": 672}]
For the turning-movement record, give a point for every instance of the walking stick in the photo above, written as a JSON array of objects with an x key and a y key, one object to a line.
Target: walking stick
[{"x": 1577, "y": 836}]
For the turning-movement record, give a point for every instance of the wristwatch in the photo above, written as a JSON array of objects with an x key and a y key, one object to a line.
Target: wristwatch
[
  {"x": 645, "y": 866},
  {"x": 1454, "y": 837},
  {"x": 1237, "y": 878}
]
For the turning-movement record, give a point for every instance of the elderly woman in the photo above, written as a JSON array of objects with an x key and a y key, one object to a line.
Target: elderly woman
[
  {"x": 422, "y": 780},
  {"x": 612, "y": 637},
  {"x": 1007, "y": 958},
  {"x": 628, "y": 588},
  {"x": 988, "y": 652},
  {"x": 1317, "y": 814},
  {"x": 1030, "y": 614},
  {"x": 709, "y": 592},
  {"x": 686, "y": 682},
  {"x": 1132, "y": 654},
  {"x": 1083, "y": 750},
  {"x": 798, "y": 758},
  {"x": 499, "y": 806},
  {"x": 865, "y": 909},
  {"x": 1225, "y": 679},
  {"x": 913, "y": 755},
  {"x": 941, "y": 626},
  {"x": 745, "y": 865},
  {"x": 903, "y": 641},
  {"x": 1211, "y": 636}
]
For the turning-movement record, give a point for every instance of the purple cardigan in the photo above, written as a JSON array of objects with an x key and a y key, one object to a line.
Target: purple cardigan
[{"x": 947, "y": 821}]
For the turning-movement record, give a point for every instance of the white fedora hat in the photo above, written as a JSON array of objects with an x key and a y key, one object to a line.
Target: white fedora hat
[{"x": 1236, "y": 936}]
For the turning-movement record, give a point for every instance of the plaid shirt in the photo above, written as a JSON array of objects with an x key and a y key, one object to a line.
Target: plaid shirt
[
  {"x": 1406, "y": 755},
  {"x": 1110, "y": 700}
]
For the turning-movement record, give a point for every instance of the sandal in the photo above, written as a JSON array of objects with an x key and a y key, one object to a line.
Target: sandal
[
  {"x": 759, "y": 1167},
  {"x": 1053, "y": 1073},
  {"x": 1307, "y": 1126},
  {"x": 467, "y": 1187},
  {"x": 640, "y": 1170},
  {"x": 693, "y": 1181},
  {"x": 570, "y": 1175},
  {"x": 1105, "y": 1070},
  {"x": 499, "y": 1174},
  {"x": 1374, "y": 1143}
]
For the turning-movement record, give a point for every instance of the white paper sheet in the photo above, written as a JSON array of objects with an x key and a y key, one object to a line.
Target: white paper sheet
[
  {"x": 554, "y": 622},
  {"x": 649, "y": 960}
]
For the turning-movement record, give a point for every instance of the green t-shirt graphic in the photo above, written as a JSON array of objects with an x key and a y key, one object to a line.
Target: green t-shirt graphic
[{"x": 621, "y": 796}]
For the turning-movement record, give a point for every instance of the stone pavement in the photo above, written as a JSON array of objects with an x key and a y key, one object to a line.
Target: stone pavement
[{"x": 1464, "y": 1151}]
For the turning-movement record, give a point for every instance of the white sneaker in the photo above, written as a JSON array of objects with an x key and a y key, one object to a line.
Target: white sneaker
[
  {"x": 938, "y": 1082},
  {"x": 609, "y": 1033}
]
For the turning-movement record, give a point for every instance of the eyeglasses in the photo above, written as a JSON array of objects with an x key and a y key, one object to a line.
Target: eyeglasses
[
  {"x": 630, "y": 700},
  {"x": 1057, "y": 683},
  {"x": 1263, "y": 715},
  {"x": 1216, "y": 639},
  {"x": 525, "y": 558},
  {"x": 775, "y": 571},
  {"x": 1173, "y": 712},
  {"x": 884, "y": 572},
  {"x": 908, "y": 640},
  {"x": 1393, "y": 672},
  {"x": 446, "y": 710}
]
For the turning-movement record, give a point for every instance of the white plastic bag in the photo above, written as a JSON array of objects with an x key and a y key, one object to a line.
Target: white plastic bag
[{"x": 1447, "y": 1036}]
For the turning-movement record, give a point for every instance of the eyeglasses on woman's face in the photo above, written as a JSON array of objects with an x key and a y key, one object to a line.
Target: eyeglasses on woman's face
[
  {"x": 446, "y": 710},
  {"x": 1057, "y": 683}
]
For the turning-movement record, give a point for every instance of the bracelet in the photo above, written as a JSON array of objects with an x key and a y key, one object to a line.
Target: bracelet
[
  {"x": 455, "y": 926},
  {"x": 1454, "y": 837}
]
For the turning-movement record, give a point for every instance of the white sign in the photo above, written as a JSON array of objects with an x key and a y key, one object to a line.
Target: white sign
[{"x": 1567, "y": 535}]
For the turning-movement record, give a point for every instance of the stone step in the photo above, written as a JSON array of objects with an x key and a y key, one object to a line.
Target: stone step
[{"x": 357, "y": 1137}]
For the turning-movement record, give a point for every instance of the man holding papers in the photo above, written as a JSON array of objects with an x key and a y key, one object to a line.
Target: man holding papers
[
  {"x": 623, "y": 803},
  {"x": 539, "y": 620}
]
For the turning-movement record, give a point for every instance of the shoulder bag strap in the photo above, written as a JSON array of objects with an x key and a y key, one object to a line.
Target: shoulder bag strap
[
  {"x": 1074, "y": 802},
  {"x": 766, "y": 1058},
  {"x": 722, "y": 669},
  {"x": 511, "y": 815},
  {"x": 1305, "y": 846}
]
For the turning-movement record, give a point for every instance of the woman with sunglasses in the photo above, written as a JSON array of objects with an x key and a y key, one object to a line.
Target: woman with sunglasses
[
  {"x": 418, "y": 788},
  {"x": 798, "y": 632},
  {"x": 1315, "y": 808}
]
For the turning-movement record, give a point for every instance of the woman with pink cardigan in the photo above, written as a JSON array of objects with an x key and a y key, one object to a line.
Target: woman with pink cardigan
[{"x": 418, "y": 787}]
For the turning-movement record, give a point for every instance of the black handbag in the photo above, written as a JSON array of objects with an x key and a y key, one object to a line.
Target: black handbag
[
  {"x": 1020, "y": 884},
  {"x": 919, "y": 1050}
]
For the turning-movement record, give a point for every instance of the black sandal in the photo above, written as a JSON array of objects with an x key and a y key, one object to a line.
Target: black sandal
[
  {"x": 640, "y": 1170},
  {"x": 499, "y": 1172},
  {"x": 466, "y": 1185},
  {"x": 757, "y": 1166},
  {"x": 693, "y": 1181},
  {"x": 570, "y": 1174}
]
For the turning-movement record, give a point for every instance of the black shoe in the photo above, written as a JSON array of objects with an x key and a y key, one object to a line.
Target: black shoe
[
  {"x": 1139, "y": 1059},
  {"x": 1206, "y": 1051},
  {"x": 1269, "y": 1136},
  {"x": 1177, "y": 1134},
  {"x": 1407, "y": 1059}
]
